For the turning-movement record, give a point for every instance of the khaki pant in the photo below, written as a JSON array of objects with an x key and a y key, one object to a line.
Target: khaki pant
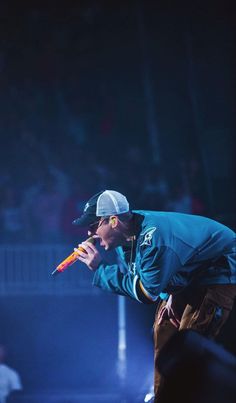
[{"x": 204, "y": 309}]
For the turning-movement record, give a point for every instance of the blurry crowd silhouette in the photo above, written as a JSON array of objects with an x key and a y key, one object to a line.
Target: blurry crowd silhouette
[
  {"x": 41, "y": 193},
  {"x": 73, "y": 118},
  {"x": 69, "y": 130}
]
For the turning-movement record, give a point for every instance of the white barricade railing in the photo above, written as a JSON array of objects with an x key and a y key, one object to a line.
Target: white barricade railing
[{"x": 27, "y": 269}]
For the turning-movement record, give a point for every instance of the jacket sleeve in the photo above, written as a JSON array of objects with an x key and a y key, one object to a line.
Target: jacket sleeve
[
  {"x": 154, "y": 269},
  {"x": 111, "y": 278}
]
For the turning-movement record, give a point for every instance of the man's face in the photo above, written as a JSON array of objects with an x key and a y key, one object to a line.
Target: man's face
[{"x": 108, "y": 235}]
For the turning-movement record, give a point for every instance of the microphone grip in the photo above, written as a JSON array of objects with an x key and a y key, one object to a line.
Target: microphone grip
[{"x": 70, "y": 259}]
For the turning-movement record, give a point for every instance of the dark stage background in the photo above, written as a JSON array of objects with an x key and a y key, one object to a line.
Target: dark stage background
[{"x": 134, "y": 96}]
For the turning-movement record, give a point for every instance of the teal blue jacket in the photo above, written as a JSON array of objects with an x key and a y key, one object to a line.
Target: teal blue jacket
[{"x": 171, "y": 251}]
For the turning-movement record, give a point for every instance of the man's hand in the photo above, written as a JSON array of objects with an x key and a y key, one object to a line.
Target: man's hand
[
  {"x": 169, "y": 312},
  {"x": 91, "y": 257}
]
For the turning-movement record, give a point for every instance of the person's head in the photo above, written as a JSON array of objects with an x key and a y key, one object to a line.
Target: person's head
[{"x": 107, "y": 216}]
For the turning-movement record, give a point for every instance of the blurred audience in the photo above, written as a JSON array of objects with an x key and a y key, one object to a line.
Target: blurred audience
[
  {"x": 39, "y": 203},
  {"x": 46, "y": 212},
  {"x": 12, "y": 220}
]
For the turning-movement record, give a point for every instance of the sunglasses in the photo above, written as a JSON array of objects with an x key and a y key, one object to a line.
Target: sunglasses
[{"x": 93, "y": 227}]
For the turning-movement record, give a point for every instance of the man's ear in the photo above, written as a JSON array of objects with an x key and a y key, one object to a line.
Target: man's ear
[{"x": 113, "y": 220}]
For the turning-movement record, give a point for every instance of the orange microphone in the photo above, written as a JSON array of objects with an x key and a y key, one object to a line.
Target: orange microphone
[{"x": 71, "y": 259}]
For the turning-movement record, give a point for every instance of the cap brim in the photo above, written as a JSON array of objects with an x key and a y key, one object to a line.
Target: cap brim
[{"x": 85, "y": 220}]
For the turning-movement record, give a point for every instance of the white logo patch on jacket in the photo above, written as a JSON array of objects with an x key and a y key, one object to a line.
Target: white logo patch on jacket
[{"x": 148, "y": 236}]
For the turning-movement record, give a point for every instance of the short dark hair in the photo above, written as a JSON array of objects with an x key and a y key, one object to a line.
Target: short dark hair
[{"x": 125, "y": 217}]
